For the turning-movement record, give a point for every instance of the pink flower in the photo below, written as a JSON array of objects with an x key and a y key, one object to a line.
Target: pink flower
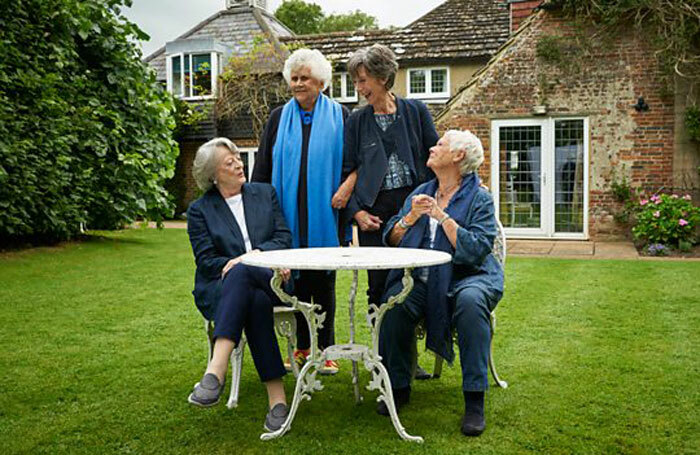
[
  {"x": 655, "y": 198},
  {"x": 657, "y": 214},
  {"x": 674, "y": 196},
  {"x": 682, "y": 222},
  {"x": 687, "y": 197},
  {"x": 644, "y": 202}
]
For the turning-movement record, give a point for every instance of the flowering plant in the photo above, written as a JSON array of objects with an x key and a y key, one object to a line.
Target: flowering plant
[
  {"x": 667, "y": 219},
  {"x": 657, "y": 249}
]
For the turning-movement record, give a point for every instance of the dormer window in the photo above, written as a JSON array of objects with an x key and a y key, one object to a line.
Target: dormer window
[
  {"x": 342, "y": 88},
  {"x": 193, "y": 75}
]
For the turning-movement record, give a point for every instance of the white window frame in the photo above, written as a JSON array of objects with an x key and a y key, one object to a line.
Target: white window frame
[
  {"x": 251, "y": 153},
  {"x": 345, "y": 79},
  {"x": 429, "y": 94},
  {"x": 547, "y": 175},
  {"x": 213, "y": 57}
]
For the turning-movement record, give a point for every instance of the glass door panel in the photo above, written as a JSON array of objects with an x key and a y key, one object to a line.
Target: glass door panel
[
  {"x": 520, "y": 170},
  {"x": 568, "y": 176}
]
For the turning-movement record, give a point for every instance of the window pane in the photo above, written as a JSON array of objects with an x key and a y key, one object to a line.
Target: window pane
[
  {"x": 176, "y": 75},
  {"x": 439, "y": 81},
  {"x": 186, "y": 76},
  {"x": 520, "y": 170},
  {"x": 336, "y": 91},
  {"x": 202, "y": 74},
  {"x": 417, "y": 81},
  {"x": 350, "y": 87},
  {"x": 568, "y": 162}
]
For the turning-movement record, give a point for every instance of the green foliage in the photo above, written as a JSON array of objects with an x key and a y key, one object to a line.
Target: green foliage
[
  {"x": 672, "y": 26},
  {"x": 625, "y": 195},
  {"x": 301, "y": 17},
  {"x": 356, "y": 20},
  {"x": 692, "y": 122},
  {"x": 307, "y": 18},
  {"x": 188, "y": 115},
  {"x": 665, "y": 219},
  {"x": 85, "y": 129}
]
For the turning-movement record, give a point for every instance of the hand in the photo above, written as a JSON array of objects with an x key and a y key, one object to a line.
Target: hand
[
  {"x": 286, "y": 274},
  {"x": 229, "y": 265},
  {"x": 367, "y": 222},
  {"x": 340, "y": 198},
  {"x": 421, "y": 204}
]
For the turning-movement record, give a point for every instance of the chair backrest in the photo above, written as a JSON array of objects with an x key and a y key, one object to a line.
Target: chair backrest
[{"x": 499, "y": 244}]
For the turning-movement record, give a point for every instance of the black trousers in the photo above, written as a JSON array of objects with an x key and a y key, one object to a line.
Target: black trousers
[
  {"x": 246, "y": 304},
  {"x": 317, "y": 286},
  {"x": 387, "y": 204}
]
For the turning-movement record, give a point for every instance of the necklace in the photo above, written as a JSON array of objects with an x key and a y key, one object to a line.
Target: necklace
[{"x": 442, "y": 193}]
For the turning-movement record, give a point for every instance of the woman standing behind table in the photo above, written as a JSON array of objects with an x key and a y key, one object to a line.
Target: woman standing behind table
[
  {"x": 387, "y": 142},
  {"x": 301, "y": 154}
]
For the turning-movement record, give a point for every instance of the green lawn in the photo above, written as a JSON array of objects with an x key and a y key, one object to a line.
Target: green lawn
[{"x": 101, "y": 343}]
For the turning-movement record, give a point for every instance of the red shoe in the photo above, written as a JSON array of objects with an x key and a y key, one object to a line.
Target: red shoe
[
  {"x": 300, "y": 356},
  {"x": 329, "y": 368}
]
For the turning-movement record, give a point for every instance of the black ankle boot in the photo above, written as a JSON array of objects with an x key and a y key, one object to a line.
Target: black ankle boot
[
  {"x": 401, "y": 397},
  {"x": 473, "y": 422}
]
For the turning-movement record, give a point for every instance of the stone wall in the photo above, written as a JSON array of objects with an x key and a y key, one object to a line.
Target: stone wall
[{"x": 600, "y": 81}]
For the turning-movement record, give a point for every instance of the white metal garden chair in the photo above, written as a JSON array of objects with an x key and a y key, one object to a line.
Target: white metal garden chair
[
  {"x": 285, "y": 325},
  {"x": 499, "y": 251}
]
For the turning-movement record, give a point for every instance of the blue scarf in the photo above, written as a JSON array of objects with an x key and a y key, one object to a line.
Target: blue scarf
[
  {"x": 438, "y": 315},
  {"x": 325, "y": 160}
]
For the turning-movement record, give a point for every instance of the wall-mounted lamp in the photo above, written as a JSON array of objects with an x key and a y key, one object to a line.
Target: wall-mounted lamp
[
  {"x": 641, "y": 105},
  {"x": 539, "y": 109}
]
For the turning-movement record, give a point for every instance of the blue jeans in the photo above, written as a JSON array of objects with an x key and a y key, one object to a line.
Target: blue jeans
[
  {"x": 471, "y": 319},
  {"x": 246, "y": 304}
]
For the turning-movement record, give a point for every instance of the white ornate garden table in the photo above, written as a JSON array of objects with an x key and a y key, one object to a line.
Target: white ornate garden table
[{"x": 354, "y": 259}]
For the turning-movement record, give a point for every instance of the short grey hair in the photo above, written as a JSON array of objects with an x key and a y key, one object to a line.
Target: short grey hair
[
  {"x": 379, "y": 62},
  {"x": 206, "y": 160},
  {"x": 471, "y": 145},
  {"x": 313, "y": 60}
]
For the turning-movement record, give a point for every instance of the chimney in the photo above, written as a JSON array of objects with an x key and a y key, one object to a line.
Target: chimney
[
  {"x": 262, "y": 4},
  {"x": 520, "y": 10}
]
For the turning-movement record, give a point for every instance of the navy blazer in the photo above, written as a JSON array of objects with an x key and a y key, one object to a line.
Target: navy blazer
[
  {"x": 216, "y": 237},
  {"x": 363, "y": 149}
]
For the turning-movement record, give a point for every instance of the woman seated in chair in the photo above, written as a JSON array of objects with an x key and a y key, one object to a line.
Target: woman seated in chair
[
  {"x": 231, "y": 219},
  {"x": 450, "y": 213}
]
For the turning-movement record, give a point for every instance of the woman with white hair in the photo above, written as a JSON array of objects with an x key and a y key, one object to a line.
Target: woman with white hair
[
  {"x": 233, "y": 218},
  {"x": 301, "y": 154},
  {"x": 450, "y": 213}
]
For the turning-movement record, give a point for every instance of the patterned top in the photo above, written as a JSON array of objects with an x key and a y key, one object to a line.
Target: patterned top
[{"x": 398, "y": 174}]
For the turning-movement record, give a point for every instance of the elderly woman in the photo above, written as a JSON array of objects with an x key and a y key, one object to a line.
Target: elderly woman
[
  {"x": 301, "y": 154},
  {"x": 387, "y": 144},
  {"x": 231, "y": 219},
  {"x": 451, "y": 213}
]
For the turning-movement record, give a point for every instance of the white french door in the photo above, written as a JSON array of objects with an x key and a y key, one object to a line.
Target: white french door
[{"x": 539, "y": 176}]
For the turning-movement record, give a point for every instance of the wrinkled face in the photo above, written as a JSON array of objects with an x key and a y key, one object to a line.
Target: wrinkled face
[
  {"x": 229, "y": 171},
  {"x": 440, "y": 156},
  {"x": 370, "y": 87},
  {"x": 305, "y": 87}
]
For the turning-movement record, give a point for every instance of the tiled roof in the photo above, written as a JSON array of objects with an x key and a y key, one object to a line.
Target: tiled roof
[
  {"x": 236, "y": 27},
  {"x": 457, "y": 29}
]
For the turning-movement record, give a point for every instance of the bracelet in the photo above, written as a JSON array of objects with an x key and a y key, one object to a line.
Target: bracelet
[
  {"x": 445, "y": 218},
  {"x": 402, "y": 224}
]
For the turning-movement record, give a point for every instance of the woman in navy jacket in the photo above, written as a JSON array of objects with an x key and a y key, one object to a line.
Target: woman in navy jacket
[
  {"x": 387, "y": 143},
  {"x": 231, "y": 219}
]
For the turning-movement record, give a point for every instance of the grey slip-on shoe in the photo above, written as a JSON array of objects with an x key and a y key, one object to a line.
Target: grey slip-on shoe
[
  {"x": 276, "y": 417},
  {"x": 207, "y": 391}
]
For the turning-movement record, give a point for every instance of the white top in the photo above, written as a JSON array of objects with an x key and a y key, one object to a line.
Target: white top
[
  {"x": 337, "y": 258},
  {"x": 235, "y": 203}
]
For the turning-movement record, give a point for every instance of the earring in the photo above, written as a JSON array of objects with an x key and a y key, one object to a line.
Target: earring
[{"x": 215, "y": 182}]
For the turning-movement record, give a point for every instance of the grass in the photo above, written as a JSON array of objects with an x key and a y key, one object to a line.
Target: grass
[{"x": 101, "y": 343}]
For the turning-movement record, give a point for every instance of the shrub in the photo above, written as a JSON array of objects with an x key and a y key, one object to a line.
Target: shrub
[
  {"x": 85, "y": 129},
  {"x": 666, "y": 219}
]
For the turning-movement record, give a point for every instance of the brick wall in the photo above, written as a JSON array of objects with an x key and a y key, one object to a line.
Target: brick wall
[
  {"x": 520, "y": 10},
  {"x": 637, "y": 145},
  {"x": 182, "y": 186}
]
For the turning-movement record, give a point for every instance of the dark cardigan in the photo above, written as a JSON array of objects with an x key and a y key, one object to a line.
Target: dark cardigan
[{"x": 363, "y": 150}]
